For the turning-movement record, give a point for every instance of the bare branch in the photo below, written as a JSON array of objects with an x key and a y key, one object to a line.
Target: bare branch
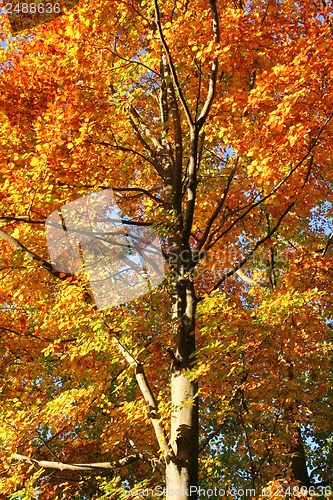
[
  {"x": 199, "y": 89},
  {"x": 32, "y": 256},
  {"x": 171, "y": 65},
  {"x": 22, "y": 219},
  {"x": 216, "y": 25},
  {"x": 47, "y": 446},
  {"x": 178, "y": 162},
  {"x": 309, "y": 171},
  {"x": 149, "y": 398},
  {"x": 248, "y": 280},
  {"x": 277, "y": 187},
  {"x": 155, "y": 160},
  {"x": 328, "y": 244},
  {"x": 157, "y": 143},
  {"x": 212, "y": 82},
  {"x": 46, "y": 464},
  {"x": 265, "y": 14},
  {"x": 123, "y": 148},
  {"x": 155, "y": 462},
  {"x": 219, "y": 206},
  {"x": 272, "y": 277},
  {"x": 31, "y": 335},
  {"x": 131, "y": 61},
  {"x": 213, "y": 434},
  {"x": 218, "y": 429},
  {"x": 201, "y": 147},
  {"x": 191, "y": 185},
  {"x": 140, "y": 190},
  {"x": 249, "y": 255},
  {"x": 210, "y": 96}
]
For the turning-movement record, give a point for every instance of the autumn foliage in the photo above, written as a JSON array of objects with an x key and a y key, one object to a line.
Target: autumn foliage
[{"x": 212, "y": 122}]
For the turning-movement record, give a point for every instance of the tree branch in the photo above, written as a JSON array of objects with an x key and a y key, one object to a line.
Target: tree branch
[
  {"x": 219, "y": 206},
  {"x": 153, "y": 138},
  {"x": 155, "y": 462},
  {"x": 31, "y": 335},
  {"x": 149, "y": 398},
  {"x": 248, "y": 256},
  {"x": 155, "y": 160},
  {"x": 214, "y": 433},
  {"x": 22, "y": 219},
  {"x": 212, "y": 82},
  {"x": 171, "y": 65},
  {"x": 46, "y": 464},
  {"x": 251, "y": 281},
  {"x": 176, "y": 194},
  {"x": 277, "y": 187},
  {"x": 125, "y": 149},
  {"x": 328, "y": 244},
  {"x": 32, "y": 256}
]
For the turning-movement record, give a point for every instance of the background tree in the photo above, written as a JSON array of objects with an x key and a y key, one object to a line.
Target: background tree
[{"x": 212, "y": 122}]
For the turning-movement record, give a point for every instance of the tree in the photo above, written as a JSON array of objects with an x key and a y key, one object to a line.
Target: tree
[{"x": 212, "y": 124}]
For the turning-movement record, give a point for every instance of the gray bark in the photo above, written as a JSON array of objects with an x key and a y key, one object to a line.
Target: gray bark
[{"x": 182, "y": 475}]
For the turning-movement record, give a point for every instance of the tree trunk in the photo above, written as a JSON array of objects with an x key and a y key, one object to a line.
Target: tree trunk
[
  {"x": 298, "y": 460},
  {"x": 182, "y": 472},
  {"x": 295, "y": 442},
  {"x": 182, "y": 475}
]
